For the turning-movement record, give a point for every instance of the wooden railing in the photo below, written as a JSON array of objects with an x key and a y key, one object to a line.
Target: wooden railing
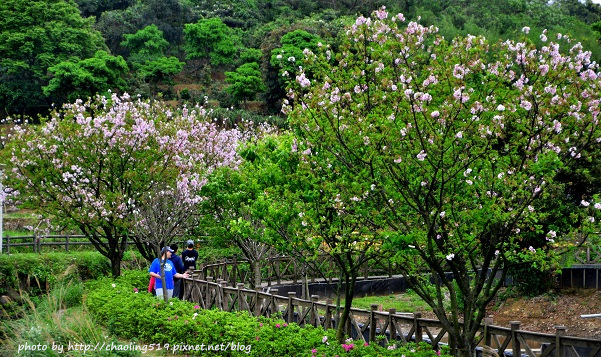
[
  {"x": 587, "y": 255},
  {"x": 64, "y": 240},
  {"x": 277, "y": 270},
  {"x": 377, "y": 325},
  {"x": 36, "y": 242}
]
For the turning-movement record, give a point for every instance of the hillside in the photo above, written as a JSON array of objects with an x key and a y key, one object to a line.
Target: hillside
[{"x": 543, "y": 313}]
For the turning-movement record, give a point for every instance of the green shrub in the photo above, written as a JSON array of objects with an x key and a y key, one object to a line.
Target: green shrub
[
  {"x": 124, "y": 306},
  {"x": 41, "y": 271},
  {"x": 531, "y": 281}
]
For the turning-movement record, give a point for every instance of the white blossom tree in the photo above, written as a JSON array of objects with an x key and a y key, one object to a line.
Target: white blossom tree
[{"x": 460, "y": 142}]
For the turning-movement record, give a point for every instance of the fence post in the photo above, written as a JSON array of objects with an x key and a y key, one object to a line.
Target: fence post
[
  {"x": 314, "y": 315},
  {"x": 372, "y": 322},
  {"x": 588, "y": 255},
  {"x": 240, "y": 296},
  {"x": 7, "y": 244},
  {"x": 559, "y": 332},
  {"x": 67, "y": 242},
  {"x": 488, "y": 321},
  {"x": 258, "y": 302},
  {"x": 418, "y": 328},
  {"x": 391, "y": 324},
  {"x": 224, "y": 295},
  {"x": 327, "y": 318},
  {"x": 274, "y": 307},
  {"x": 291, "y": 296},
  {"x": 515, "y": 343}
]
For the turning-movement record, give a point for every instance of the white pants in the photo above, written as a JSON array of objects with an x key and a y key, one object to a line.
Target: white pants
[{"x": 159, "y": 293}]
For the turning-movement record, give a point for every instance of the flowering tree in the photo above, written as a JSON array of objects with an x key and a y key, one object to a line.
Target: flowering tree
[
  {"x": 91, "y": 163},
  {"x": 461, "y": 141}
]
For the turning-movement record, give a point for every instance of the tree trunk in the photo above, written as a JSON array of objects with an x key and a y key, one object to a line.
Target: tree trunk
[
  {"x": 349, "y": 291},
  {"x": 466, "y": 347},
  {"x": 257, "y": 273},
  {"x": 163, "y": 281},
  {"x": 116, "y": 265}
]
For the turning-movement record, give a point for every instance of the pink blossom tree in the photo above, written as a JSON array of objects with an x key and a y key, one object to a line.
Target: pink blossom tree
[
  {"x": 460, "y": 141},
  {"x": 91, "y": 163}
]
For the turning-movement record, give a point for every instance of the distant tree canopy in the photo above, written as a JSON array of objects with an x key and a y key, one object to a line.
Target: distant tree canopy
[
  {"x": 97, "y": 7},
  {"x": 147, "y": 42},
  {"x": 245, "y": 82},
  {"x": 85, "y": 78},
  {"x": 35, "y": 35},
  {"x": 39, "y": 34},
  {"x": 210, "y": 39}
]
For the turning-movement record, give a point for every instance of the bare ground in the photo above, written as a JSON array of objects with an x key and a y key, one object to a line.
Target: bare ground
[{"x": 543, "y": 313}]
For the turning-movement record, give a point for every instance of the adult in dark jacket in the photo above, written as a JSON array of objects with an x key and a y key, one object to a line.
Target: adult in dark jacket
[
  {"x": 179, "y": 268},
  {"x": 190, "y": 256}
]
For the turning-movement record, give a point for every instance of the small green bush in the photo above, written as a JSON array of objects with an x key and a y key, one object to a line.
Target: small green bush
[
  {"x": 124, "y": 306},
  {"x": 531, "y": 281}
]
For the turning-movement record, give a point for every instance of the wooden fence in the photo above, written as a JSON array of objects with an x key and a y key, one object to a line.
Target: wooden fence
[
  {"x": 374, "y": 325},
  {"x": 277, "y": 270},
  {"x": 61, "y": 240},
  {"x": 36, "y": 242}
]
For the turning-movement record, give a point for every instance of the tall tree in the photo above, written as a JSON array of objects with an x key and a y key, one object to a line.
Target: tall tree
[
  {"x": 91, "y": 162},
  {"x": 35, "y": 35},
  {"x": 210, "y": 39},
  {"x": 145, "y": 45},
  {"x": 245, "y": 83},
  {"x": 461, "y": 141},
  {"x": 86, "y": 78}
]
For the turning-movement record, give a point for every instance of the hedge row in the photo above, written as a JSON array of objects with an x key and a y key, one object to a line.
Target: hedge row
[
  {"x": 41, "y": 271},
  {"x": 128, "y": 311}
]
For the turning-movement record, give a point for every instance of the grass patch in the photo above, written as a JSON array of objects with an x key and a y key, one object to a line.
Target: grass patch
[{"x": 408, "y": 301}]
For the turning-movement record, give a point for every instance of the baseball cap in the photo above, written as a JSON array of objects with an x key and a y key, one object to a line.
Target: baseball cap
[
  {"x": 190, "y": 243},
  {"x": 166, "y": 249}
]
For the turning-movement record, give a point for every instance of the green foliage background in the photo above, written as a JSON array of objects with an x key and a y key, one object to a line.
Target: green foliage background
[{"x": 37, "y": 35}]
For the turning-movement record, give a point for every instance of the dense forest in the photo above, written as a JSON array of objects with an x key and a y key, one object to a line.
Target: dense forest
[{"x": 229, "y": 53}]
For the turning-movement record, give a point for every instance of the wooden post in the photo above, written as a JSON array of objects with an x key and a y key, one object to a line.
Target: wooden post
[
  {"x": 488, "y": 321},
  {"x": 559, "y": 332},
  {"x": 418, "y": 328},
  {"x": 240, "y": 296},
  {"x": 314, "y": 316},
  {"x": 291, "y": 297},
  {"x": 327, "y": 317},
  {"x": 67, "y": 242},
  {"x": 391, "y": 324},
  {"x": 224, "y": 298},
  {"x": 515, "y": 343},
  {"x": 372, "y": 323},
  {"x": 274, "y": 304},
  {"x": 258, "y": 302}
]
